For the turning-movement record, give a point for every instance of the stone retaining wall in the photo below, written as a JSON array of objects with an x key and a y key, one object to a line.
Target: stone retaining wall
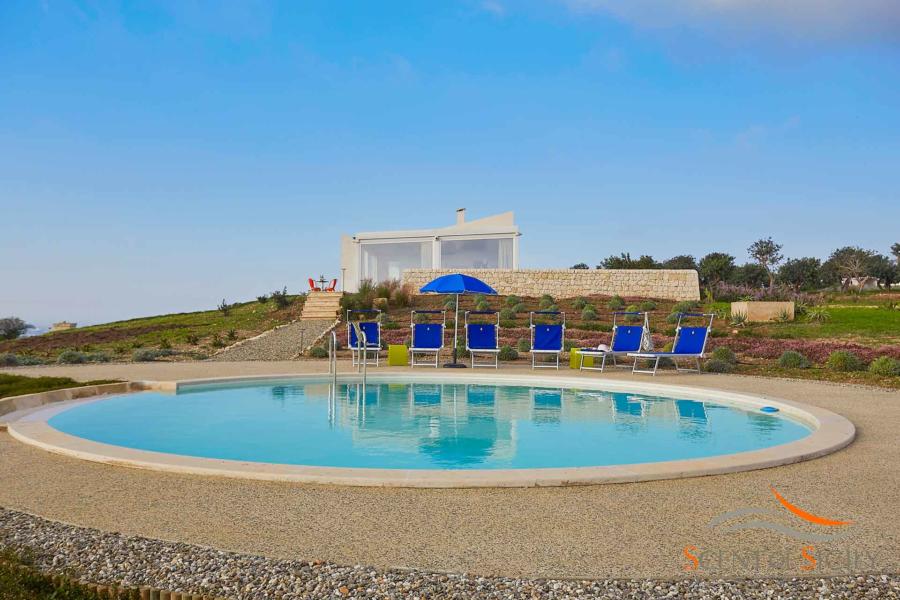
[{"x": 664, "y": 284}]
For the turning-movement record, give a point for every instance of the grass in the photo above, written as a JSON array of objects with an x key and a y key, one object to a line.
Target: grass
[
  {"x": 863, "y": 324},
  {"x": 19, "y": 580},
  {"x": 18, "y": 385},
  {"x": 184, "y": 332}
]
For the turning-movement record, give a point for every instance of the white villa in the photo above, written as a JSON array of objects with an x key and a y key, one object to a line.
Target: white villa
[{"x": 488, "y": 243}]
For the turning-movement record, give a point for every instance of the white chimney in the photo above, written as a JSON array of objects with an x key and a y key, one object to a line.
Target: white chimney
[{"x": 460, "y": 216}]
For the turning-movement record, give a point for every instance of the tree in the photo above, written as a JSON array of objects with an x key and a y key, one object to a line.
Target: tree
[
  {"x": 580, "y": 266},
  {"x": 13, "y": 327},
  {"x": 846, "y": 264},
  {"x": 767, "y": 254},
  {"x": 895, "y": 250},
  {"x": 624, "y": 261},
  {"x": 750, "y": 274},
  {"x": 715, "y": 267},
  {"x": 883, "y": 268},
  {"x": 801, "y": 273},
  {"x": 682, "y": 261}
]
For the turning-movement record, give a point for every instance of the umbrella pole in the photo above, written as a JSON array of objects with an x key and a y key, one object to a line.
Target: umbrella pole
[{"x": 454, "y": 364}]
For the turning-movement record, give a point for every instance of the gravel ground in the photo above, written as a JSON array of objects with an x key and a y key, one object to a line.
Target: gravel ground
[
  {"x": 113, "y": 558},
  {"x": 283, "y": 343}
]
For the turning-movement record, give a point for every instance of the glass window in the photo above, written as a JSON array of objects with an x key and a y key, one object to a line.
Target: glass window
[
  {"x": 381, "y": 262},
  {"x": 477, "y": 254}
]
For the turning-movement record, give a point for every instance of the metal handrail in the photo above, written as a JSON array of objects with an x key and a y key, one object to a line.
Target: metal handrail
[{"x": 362, "y": 347}]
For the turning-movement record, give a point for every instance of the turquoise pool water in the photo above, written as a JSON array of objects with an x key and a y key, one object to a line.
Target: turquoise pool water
[{"x": 424, "y": 425}]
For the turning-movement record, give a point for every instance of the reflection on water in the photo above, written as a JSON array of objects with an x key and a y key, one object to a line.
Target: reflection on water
[{"x": 424, "y": 425}]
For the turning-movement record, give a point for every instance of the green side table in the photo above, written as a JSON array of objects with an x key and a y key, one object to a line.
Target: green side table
[
  {"x": 575, "y": 359},
  {"x": 398, "y": 355}
]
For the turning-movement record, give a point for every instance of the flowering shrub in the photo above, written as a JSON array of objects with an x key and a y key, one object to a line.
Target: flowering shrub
[
  {"x": 729, "y": 292},
  {"x": 816, "y": 351}
]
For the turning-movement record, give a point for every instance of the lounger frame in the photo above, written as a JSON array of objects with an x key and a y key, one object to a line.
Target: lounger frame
[
  {"x": 493, "y": 354},
  {"x": 562, "y": 341},
  {"x": 436, "y": 351},
  {"x": 611, "y": 353},
  {"x": 657, "y": 356},
  {"x": 358, "y": 354}
]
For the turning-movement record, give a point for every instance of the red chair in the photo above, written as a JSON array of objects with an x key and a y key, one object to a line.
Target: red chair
[
  {"x": 312, "y": 286},
  {"x": 332, "y": 287}
]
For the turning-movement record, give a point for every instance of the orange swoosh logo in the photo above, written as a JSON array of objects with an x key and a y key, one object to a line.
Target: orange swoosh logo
[{"x": 808, "y": 516}]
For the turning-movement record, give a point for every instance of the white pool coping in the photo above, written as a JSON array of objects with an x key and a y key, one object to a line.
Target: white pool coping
[{"x": 830, "y": 432}]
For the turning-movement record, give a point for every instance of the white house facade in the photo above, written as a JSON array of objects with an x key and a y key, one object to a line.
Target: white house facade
[{"x": 487, "y": 243}]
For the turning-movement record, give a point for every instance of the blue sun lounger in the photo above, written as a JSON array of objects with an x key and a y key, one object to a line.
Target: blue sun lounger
[
  {"x": 483, "y": 339},
  {"x": 625, "y": 339},
  {"x": 546, "y": 339},
  {"x": 690, "y": 342},
  {"x": 427, "y": 338},
  {"x": 372, "y": 329}
]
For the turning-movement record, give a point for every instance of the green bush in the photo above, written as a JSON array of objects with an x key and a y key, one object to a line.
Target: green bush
[
  {"x": 192, "y": 339},
  {"x": 793, "y": 360},
  {"x": 508, "y": 324},
  {"x": 842, "y": 360},
  {"x": 318, "y": 352},
  {"x": 589, "y": 314},
  {"x": 230, "y": 336},
  {"x": 647, "y": 305},
  {"x": 817, "y": 314},
  {"x": 672, "y": 319},
  {"x": 885, "y": 365},
  {"x": 685, "y": 306},
  {"x": 580, "y": 303},
  {"x": 262, "y": 299},
  {"x": 99, "y": 357},
  {"x": 632, "y": 318},
  {"x": 615, "y": 303},
  {"x": 724, "y": 354},
  {"x": 512, "y": 300},
  {"x": 164, "y": 344},
  {"x": 216, "y": 341},
  {"x": 482, "y": 305},
  {"x": 568, "y": 345},
  {"x": 718, "y": 366},
  {"x": 72, "y": 357},
  {"x": 546, "y": 302},
  {"x": 550, "y": 308},
  {"x": 520, "y": 307},
  {"x": 145, "y": 355},
  {"x": 507, "y": 314},
  {"x": 281, "y": 298},
  {"x": 523, "y": 345},
  {"x": 507, "y": 352},
  {"x": 9, "y": 359}
]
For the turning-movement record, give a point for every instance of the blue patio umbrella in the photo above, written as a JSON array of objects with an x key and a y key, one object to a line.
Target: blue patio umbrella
[{"x": 457, "y": 283}]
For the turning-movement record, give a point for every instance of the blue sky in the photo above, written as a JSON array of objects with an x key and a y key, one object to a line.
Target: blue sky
[{"x": 159, "y": 156}]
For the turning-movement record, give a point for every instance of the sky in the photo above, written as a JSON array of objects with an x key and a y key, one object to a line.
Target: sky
[{"x": 161, "y": 156}]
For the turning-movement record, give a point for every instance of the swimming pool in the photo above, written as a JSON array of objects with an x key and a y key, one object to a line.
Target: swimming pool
[{"x": 426, "y": 425}]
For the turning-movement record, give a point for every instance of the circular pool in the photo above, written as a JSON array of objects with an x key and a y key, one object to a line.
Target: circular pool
[{"x": 424, "y": 430}]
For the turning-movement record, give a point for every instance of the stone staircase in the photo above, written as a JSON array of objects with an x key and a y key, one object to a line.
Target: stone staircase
[{"x": 322, "y": 305}]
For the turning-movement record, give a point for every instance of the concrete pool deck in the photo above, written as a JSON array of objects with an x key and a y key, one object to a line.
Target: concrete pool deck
[{"x": 608, "y": 531}]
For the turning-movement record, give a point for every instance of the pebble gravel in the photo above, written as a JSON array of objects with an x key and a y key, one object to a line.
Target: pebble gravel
[
  {"x": 283, "y": 343},
  {"x": 114, "y": 558}
]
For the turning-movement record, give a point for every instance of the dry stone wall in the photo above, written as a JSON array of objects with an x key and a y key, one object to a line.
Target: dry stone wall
[{"x": 666, "y": 284}]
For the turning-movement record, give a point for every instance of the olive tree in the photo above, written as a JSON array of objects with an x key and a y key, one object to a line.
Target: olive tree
[
  {"x": 767, "y": 254},
  {"x": 13, "y": 327}
]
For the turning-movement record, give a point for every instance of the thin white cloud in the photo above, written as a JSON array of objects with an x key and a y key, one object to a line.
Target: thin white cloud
[
  {"x": 494, "y": 7},
  {"x": 792, "y": 19}
]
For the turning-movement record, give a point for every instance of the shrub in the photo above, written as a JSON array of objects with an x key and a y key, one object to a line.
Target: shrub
[
  {"x": 724, "y": 354},
  {"x": 144, "y": 355},
  {"x": 523, "y": 345},
  {"x": 216, "y": 341},
  {"x": 615, "y": 303},
  {"x": 551, "y": 308},
  {"x": 632, "y": 318},
  {"x": 546, "y": 302},
  {"x": 843, "y": 360},
  {"x": 672, "y": 319},
  {"x": 784, "y": 316},
  {"x": 885, "y": 365},
  {"x": 9, "y": 359},
  {"x": 99, "y": 357},
  {"x": 401, "y": 297},
  {"x": 647, "y": 305},
  {"x": 318, "y": 352},
  {"x": 589, "y": 314},
  {"x": 507, "y": 352},
  {"x": 718, "y": 366},
  {"x": 262, "y": 299},
  {"x": 512, "y": 300},
  {"x": 231, "y": 335},
  {"x": 568, "y": 345},
  {"x": 164, "y": 344},
  {"x": 13, "y": 327},
  {"x": 224, "y": 307},
  {"x": 507, "y": 314},
  {"x": 580, "y": 303},
  {"x": 281, "y": 298},
  {"x": 192, "y": 339},
  {"x": 685, "y": 306},
  {"x": 547, "y": 298},
  {"x": 520, "y": 307},
  {"x": 739, "y": 319},
  {"x": 450, "y": 302},
  {"x": 508, "y": 324},
  {"x": 791, "y": 359},
  {"x": 72, "y": 357},
  {"x": 482, "y": 305},
  {"x": 817, "y": 314}
]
